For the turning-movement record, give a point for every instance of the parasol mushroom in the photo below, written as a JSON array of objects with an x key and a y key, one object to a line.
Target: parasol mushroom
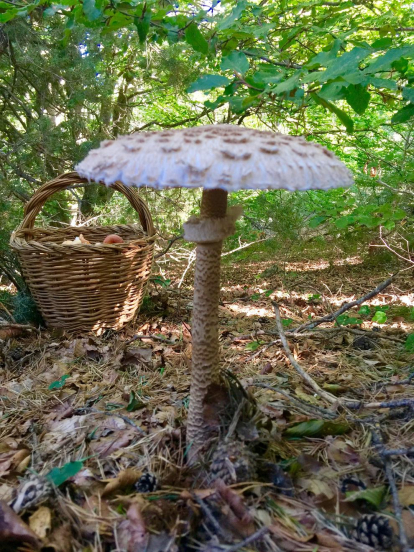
[{"x": 220, "y": 159}]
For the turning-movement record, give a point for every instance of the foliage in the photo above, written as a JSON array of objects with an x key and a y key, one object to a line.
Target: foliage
[{"x": 341, "y": 73}]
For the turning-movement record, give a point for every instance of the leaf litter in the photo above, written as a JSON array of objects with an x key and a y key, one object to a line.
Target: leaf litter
[{"x": 92, "y": 450}]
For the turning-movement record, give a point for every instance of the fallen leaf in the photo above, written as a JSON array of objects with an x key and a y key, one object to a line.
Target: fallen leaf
[
  {"x": 13, "y": 529},
  {"x": 60, "y": 540},
  {"x": 406, "y": 496},
  {"x": 10, "y": 460},
  {"x": 108, "y": 445},
  {"x": 132, "y": 533},
  {"x": 317, "y": 487},
  {"x": 41, "y": 521},
  {"x": 126, "y": 478}
]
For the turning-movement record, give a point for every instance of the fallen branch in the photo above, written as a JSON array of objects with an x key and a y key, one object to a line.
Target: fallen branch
[
  {"x": 258, "y": 535},
  {"x": 379, "y": 445},
  {"x": 397, "y": 452},
  {"x": 14, "y": 326},
  {"x": 301, "y": 405},
  {"x": 333, "y": 316},
  {"x": 347, "y": 403},
  {"x": 170, "y": 243},
  {"x": 312, "y": 383},
  {"x": 154, "y": 337}
]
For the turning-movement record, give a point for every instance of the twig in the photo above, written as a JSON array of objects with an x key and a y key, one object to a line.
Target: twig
[
  {"x": 401, "y": 403},
  {"x": 242, "y": 247},
  {"x": 9, "y": 314},
  {"x": 348, "y": 403},
  {"x": 312, "y": 383},
  {"x": 258, "y": 535},
  {"x": 378, "y": 443},
  {"x": 170, "y": 243},
  {"x": 347, "y": 306},
  {"x": 398, "y": 452},
  {"x": 19, "y": 326},
  {"x": 206, "y": 511},
  {"x": 191, "y": 259},
  {"x": 154, "y": 337},
  {"x": 396, "y": 190},
  {"x": 127, "y": 420},
  {"x": 302, "y": 405}
]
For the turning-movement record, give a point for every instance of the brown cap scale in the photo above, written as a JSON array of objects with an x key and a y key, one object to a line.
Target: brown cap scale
[{"x": 220, "y": 159}]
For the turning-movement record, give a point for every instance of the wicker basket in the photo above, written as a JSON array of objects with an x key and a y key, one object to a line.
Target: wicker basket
[{"x": 80, "y": 286}]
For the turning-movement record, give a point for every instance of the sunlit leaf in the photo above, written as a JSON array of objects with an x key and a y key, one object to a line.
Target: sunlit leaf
[{"x": 57, "y": 476}]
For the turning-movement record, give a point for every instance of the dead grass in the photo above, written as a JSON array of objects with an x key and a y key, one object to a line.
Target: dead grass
[{"x": 117, "y": 408}]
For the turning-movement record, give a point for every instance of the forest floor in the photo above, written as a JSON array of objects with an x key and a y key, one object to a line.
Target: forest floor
[{"x": 86, "y": 421}]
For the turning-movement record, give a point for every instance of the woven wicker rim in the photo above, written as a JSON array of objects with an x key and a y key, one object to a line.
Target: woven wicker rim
[{"x": 60, "y": 183}]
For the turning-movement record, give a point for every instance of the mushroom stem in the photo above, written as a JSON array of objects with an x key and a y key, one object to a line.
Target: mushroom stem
[{"x": 205, "y": 351}]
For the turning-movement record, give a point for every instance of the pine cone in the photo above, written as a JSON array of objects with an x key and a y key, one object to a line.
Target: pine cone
[
  {"x": 30, "y": 492},
  {"x": 233, "y": 462},
  {"x": 374, "y": 531},
  {"x": 147, "y": 483}
]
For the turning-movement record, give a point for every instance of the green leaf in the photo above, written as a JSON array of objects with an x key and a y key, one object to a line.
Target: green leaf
[
  {"x": 57, "y": 476},
  {"x": 90, "y": 10},
  {"x": 316, "y": 428},
  {"x": 384, "y": 63},
  {"x": 316, "y": 221},
  {"x": 382, "y": 43},
  {"x": 408, "y": 94},
  {"x": 287, "y": 85},
  {"x": 345, "y": 320},
  {"x": 357, "y": 97},
  {"x": 374, "y": 496},
  {"x": 253, "y": 346},
  {"x": 364, "y": 310},
  {"x": 235, "y": 61},
  {"x": 235, "y": 14},
  {"x": 134, "y": 403},
  {"x": 332, "y": 91},
  {"x": 342, "y": 116},
  {"x": 286, "y": 322},
  {"x": 383, "y": 83},
  {"x": 195, "y": 39},
  {"x": 207, "y": 82},
  {"x": 403, "y": 115},
  {"x": 347, "y": 63},
  {"x": 324, "y": 58},
  {"x": 142, "y": 25},
  {"x": 58, "y": 384},
  {"x": 379, "y": 317},
  {"x": 409, "y": 343}
]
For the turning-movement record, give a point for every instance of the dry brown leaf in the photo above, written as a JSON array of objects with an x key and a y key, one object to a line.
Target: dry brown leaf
[
  {"x": 41, "y": 521},
  {"x": 328, "y": 540},
  {"x": 406, "y": 496},
  {"x": 342, "y": 452},
  {"x": 238, "y": 517},
  {"x": 132, "y": 533},
  {"x": 108, "y": 445},
  {"x": 200, "y": 493},
  {"x": 317, "y": 487},
  {"x": 60, "y": 540},
  {"x": 126, "y": 478},
  {"x": 10, "y": 460},
  {"x": 13, "y": 529}
]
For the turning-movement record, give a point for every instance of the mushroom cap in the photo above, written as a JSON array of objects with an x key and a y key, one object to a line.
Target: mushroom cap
[{"x": 229, "y": 157}]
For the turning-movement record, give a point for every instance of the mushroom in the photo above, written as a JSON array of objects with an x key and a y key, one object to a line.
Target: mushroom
[{"x": 220, "y": 159}]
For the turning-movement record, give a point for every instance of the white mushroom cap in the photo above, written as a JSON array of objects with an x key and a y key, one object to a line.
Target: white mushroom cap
[{"x": 229, "y": 157}]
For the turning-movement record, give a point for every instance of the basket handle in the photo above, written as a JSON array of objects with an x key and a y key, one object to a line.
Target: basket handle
[{"x": 42, "y": 194}]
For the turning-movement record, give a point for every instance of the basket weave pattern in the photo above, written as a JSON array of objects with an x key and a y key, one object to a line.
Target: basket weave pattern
[{"x": 81, "y": 286}]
